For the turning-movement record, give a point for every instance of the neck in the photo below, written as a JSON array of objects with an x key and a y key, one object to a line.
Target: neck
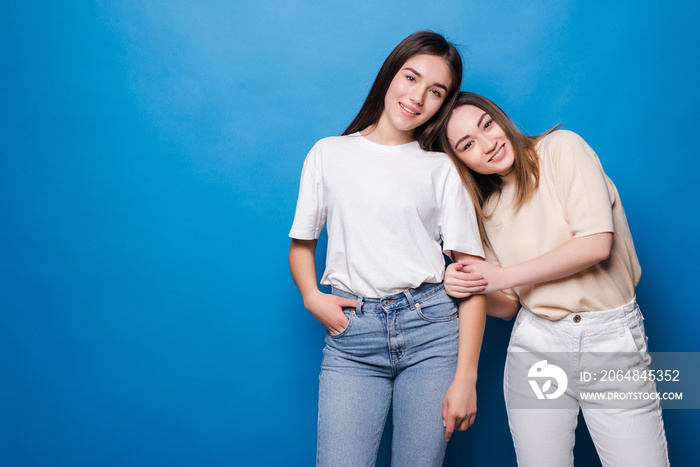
[
  {"x": 509, "y": 178},
  {"x": 383, "y": 132},
  {"x": 508, "y": 173}
]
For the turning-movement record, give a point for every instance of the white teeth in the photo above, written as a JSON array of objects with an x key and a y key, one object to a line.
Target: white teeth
[
  {"x": 503, "y": 148},
  {"x": 407, "y": 109}
]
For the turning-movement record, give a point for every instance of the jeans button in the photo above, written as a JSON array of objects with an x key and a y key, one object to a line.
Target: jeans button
[{"x": 577, "y": 319}]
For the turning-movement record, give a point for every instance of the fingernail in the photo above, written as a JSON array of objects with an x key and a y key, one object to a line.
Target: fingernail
[{"x": 444, "y": 424}]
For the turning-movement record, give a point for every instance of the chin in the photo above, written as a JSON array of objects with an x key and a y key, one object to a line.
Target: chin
[{"x": 404, "y": 125}]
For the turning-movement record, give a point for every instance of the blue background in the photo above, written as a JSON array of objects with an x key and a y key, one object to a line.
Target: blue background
[{"x": 150, "y": 155}]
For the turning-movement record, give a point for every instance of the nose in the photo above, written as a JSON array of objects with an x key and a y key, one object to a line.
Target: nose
[
  {"x": 492, "y": 144},
  {"x": 416, "y": 95}
]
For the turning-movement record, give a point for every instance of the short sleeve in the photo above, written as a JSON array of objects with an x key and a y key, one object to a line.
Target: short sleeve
[
  {"x": 459, "y": 229},
  {"x": 310, "y": 215},
  {"x": 580, "y": 183}
]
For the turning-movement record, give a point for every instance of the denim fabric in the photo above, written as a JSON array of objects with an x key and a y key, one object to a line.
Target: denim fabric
[{"x": 400, "y": 349}]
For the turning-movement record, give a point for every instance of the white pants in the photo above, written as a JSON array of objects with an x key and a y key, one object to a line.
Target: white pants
[{"x": 544, "y": 437}]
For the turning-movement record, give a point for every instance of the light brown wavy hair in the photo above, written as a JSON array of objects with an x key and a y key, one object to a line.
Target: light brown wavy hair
[{"x": 526, "y": 165}]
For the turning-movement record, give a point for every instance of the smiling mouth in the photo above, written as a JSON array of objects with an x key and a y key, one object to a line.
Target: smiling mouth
[
  {"x": 408, "y": 110},
  {"x": 499, "y": 155}
]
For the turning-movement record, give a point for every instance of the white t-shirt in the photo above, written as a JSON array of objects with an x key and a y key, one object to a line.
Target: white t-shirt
[{"x": 387, "y": 209}]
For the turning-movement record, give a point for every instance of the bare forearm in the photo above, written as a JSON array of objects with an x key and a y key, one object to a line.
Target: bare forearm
[
  {"x": 500, "y": 306},
  {"x": 570, "y": 257},
  {"x": 326, "y": 308},
  {"x": 302, "y": 265},
  {"x": 472, "y": 320}
]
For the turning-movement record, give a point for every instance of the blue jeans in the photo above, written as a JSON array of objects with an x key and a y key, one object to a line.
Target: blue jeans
[{"x": 400, "y": 349}]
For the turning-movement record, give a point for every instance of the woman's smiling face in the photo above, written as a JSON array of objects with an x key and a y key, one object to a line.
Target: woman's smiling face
[
  {"x": 417, "y": 92},
  {"x": 479, "y": 141}
]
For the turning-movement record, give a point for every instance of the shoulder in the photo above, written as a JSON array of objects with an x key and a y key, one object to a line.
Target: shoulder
[
  {"x": 436, "y": 154},
  {"x": 332, "y": 142},
  {"x": 562, "y": 140},
  {"x": 442, "y": 166},
  {"x": 563, "y": 145},
  {"x": 331, "y": 147},
  {"x": 414, "y": 148},
  {"x": 439, "y": 160}
]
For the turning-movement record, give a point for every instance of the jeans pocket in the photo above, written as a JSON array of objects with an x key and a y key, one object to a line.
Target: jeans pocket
[
  {"x": 520, "y": 322},
  {"x": 350, "y": 313},
  {"x": 636, "y": 339},
  {"x": 437, "y": 308}
]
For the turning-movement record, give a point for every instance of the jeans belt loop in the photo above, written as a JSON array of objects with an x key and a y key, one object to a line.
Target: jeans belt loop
[
  {"x": 358, "y": 307},
  {"x": 409, "y": 297}
]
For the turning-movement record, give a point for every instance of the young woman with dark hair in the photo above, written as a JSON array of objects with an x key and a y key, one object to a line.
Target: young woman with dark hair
[
  {"x": 391, "y": 209},
  {"x": 559, "y": 250}
]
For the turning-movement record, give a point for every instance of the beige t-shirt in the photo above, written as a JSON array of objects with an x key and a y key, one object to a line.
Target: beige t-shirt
[{"x": 574, "y": 199}]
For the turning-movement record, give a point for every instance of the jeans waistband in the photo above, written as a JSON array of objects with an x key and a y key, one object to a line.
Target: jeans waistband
[{"x": 407, "y": 298}]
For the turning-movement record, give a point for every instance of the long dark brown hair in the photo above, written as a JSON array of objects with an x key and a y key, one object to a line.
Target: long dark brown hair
[
  {"x": 423, "y": 42},
  {"x": 526, "y": 166}
]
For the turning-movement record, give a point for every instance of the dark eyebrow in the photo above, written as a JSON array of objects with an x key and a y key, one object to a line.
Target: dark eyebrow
[
  {"x": 478, "y": 124},
  {"x": 440, "y": 85}
]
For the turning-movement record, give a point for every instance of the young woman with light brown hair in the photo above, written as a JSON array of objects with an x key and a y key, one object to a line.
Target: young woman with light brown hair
[{"x": 559, "y": 253}]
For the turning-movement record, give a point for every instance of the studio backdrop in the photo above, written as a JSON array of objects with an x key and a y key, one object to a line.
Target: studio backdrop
[{"x": 150, "y": 155}]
